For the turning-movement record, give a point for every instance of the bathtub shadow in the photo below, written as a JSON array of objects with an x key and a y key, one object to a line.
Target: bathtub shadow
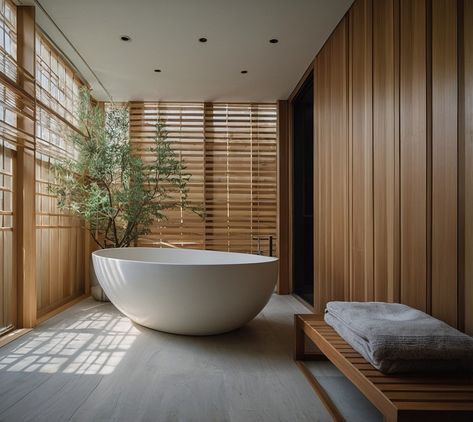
[{"x": 262, "y": 341}]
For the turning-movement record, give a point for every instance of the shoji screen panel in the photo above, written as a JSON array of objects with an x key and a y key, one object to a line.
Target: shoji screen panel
[
  {"x": 7, "y": 240},
  {"x": 16, "y": 137},
  {"x": 59, "y": 237},
  {"x": 240, "y": 165},
  {"x": 184, "y": 124},
  {"x": 8, "y": 143}
]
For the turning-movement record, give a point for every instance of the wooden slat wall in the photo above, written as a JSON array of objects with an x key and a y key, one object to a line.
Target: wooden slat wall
[
  {"x": 361, "y": 151},
  {"x": 444, "y": 160},
  {"x": 284, "y": 180},
  {"x": 60, "y": 275},
  {"x": 413, "y": 146},
  {"x": 331, "y": 169},
  {"x": 466, "y": 166},
  {"x": 230, "y": 151},
  {"x": 385, "y": 151},
  {"x": 393, "y": 109}
]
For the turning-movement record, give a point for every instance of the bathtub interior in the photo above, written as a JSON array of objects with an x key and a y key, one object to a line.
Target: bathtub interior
[{"x": 174, "y": 256}]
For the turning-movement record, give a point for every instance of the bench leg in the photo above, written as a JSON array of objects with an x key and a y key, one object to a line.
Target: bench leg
[
  {"x": 299, "y": 344},
  {"x": 299, "y": 339},
  {"x": 300, "y": 356}
]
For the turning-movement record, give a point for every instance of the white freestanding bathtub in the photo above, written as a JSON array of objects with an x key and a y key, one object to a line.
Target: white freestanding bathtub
[{"x": 186, "y": 291}]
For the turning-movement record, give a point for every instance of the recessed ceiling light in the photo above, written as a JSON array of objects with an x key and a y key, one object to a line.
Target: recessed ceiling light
[
  {"x": 125, "y": 38},
  {"x": 273, "y": 40},
  {"x": 203, "y": 39},
  {"x": 244, "y": 71},
  {"x": 157, "y": 70}
]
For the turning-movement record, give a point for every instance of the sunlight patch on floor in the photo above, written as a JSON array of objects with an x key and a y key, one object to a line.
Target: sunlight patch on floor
[{"x": 92, "y": 345}]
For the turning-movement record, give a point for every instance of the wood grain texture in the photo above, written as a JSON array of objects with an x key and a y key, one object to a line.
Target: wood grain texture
[
  {"x": 410, "y": 200},
  {"x": 9, "y": 141},
  {"x": 284, "y": 231},
  {"x": 413, "y": 156},
  {"x": 361, "y": 148},
  {"x": 231, "y": 152},
  {"x": 322, "y": 193},
  {"x": 466, "y": 135},
  {"x": 331, "y": 169},
  {"x": 25, "y": 183},
  {"x": 60, "y": 237},
  {"x": 444, "y": 160},
  {"x": 339, "y": 177},
  {"x": 422, "y": 395},
  {"x": 385, "y": 150}
]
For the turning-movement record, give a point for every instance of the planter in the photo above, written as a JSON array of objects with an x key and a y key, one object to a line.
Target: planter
[{"x": 95, "y": 288}]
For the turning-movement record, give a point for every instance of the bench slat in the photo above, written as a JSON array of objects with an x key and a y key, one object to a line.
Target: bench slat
[
  {"x": 406, "y": 393},
  {"x": 438, "y": 396},
  {"x": 424, "y": 387}
]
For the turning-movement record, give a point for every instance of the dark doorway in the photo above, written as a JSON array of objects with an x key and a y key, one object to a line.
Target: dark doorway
[{"x": 303, "y": 192}]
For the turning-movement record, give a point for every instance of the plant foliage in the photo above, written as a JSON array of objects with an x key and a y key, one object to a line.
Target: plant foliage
[{"x": 108, "y": 184}]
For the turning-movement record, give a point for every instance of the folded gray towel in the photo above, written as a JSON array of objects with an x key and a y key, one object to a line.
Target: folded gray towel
[{"x": 398, "y": 338}]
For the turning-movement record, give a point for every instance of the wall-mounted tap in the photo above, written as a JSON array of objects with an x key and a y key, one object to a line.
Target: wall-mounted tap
[{"x": 270, "y": 244}]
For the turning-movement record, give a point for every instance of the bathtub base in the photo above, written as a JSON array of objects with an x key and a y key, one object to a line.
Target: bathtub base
[{"x": 184, "y": 291}]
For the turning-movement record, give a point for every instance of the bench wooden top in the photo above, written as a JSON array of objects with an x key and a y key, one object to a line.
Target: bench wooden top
[{"x": 391, "y": 394}]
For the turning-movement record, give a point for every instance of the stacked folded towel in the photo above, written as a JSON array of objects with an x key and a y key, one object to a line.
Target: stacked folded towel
[{"x": 396, "y": 338}]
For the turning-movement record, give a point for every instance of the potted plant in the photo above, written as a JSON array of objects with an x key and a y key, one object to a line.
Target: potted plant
[{"x": 108, "y": 184}]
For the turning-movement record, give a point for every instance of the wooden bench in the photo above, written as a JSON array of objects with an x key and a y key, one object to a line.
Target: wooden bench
[{"x": 397, "y": 397}]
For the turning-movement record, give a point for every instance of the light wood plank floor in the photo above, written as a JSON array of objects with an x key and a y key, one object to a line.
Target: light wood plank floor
[{"x": 90, "y": 363}]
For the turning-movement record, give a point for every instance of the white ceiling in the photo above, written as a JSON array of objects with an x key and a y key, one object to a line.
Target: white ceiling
[{"x": 165, "y": 35}]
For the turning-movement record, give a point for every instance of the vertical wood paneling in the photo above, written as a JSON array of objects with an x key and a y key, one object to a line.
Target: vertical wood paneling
[
  {"x": 339, "y": 161},
  {"x": 466, "y": 134},
  {"x": 361, "y": 148},
  {"x": 331, "y": 104},
  {"x": 385, "y": 149},
  {"x": 444, "y": 160},
  {"x": 322, "y": 194},
  {"x": 409, "y": 165},
  {"x": 413, "y": 155},
  {"x": 283, "y": 175},
  {"x": 25, "y": 183}
]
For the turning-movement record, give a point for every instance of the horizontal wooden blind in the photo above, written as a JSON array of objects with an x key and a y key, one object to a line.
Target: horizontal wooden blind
[
  {"x": 231, "y": 152},
  {"x": 60, "y": 237},
  {"x": 184, "y": 124},
  {"x": 240, "y": 166}
]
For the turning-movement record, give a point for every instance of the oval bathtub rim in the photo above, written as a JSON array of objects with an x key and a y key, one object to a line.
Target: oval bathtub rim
[{"x": 267, "y": 260}]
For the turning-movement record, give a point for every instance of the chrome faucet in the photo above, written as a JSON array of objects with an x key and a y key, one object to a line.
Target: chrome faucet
[{"x": 270, "y": 243}]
